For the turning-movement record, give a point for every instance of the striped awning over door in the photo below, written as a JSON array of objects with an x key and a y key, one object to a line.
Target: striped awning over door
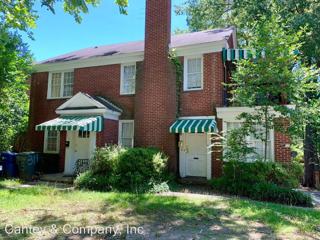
[
  {"x": 232, "y": 54},
  {"x": 193, "y": 126},
  {"x": 73, "y": 123}
]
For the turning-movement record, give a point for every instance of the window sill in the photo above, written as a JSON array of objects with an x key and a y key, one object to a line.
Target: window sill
[
  {"x": 46, "y": 152},
  {"x": 127, "y": 94},
  {"x": 192, "y": 89},
  {"x": 57, "y": 98}
]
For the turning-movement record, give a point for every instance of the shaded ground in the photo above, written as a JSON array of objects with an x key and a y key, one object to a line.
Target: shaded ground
[
  {"x": 175, "y": 216},
  {"x": 315, "y": 194}
]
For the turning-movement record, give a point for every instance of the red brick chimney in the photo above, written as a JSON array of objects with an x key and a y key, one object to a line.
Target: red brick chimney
[{"x": 155, "y": 108}]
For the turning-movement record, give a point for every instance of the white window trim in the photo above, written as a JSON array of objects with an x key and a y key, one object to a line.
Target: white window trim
[
  {"x": 120, "y": 131},
  {"x": 46, "y": 143},
  {"x": 272, "y": 156},
  {"x": 122, "y": 76},
  {"x": 185, "y": 73},
  {"x": 62, "y": 84}
]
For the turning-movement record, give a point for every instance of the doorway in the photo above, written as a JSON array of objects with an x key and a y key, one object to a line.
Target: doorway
[{"x": 80, "y": 145}]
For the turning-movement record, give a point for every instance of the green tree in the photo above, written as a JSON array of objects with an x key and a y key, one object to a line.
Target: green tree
[
  {"x": 245, "y": 15},
  {"x": 16, "y": 59},
  {"x": 293, "y": 16},
  {"x": 15, "y": 62}
]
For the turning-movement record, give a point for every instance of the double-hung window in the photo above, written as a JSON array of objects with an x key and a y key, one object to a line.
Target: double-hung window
[
  {"x": 60, "y": 84},
  {"x": 193, "y": 73},
  {"x": 128, "y": 79},
  {"x": 256, "y": 142},
  {"x": 51, "y": 141},
  {"x": 126, "y": 133}
]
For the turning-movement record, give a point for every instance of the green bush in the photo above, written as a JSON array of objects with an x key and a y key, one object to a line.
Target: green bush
[
  {"x": 273, "y": 193},
  {"x": 267, "y": 181},
  {"x": 125, "y": 169},
  {"x": 88, "y": 180}
]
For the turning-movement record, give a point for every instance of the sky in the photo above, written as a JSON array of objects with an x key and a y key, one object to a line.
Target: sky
[{"x": 58, "y": 33}]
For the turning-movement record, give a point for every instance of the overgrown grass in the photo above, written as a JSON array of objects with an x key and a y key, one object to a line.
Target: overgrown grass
[{"x": 44, "y": 206}]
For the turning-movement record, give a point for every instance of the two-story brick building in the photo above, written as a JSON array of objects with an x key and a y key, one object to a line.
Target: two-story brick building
[{"x": 128, "y": 94}]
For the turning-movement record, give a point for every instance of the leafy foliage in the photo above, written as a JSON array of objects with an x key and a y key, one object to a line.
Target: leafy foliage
[
  {"x": 245, "y": 15},
  {"x": 266, "y": 181},
  {"x": 273, "y": 193},
  {"x": 280, "y": 29},
  {"x": 15, "y": 62},
  {"x": 133, "y": 170},
  {"x": 22, "y": 15}
]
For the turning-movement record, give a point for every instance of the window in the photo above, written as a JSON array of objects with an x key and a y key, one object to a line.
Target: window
[
  {"x": 128, "y": 79},
  {"x": 126, "y": 133},
  {"x": 60, "y": 84},
  {"x": 51, "y": 141},
  {"x": 257, "y": 144},
  {"x": 193, "y": 73},
  {"x": 84, "y": 134}
]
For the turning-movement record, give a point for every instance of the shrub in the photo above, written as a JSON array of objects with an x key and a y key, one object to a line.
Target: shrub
[
  {"x": 105, "y": 160},
  {"x": 88, "y": 180},
  {"x": 160, "y": 187},
  {"x": 138, "y": 167},
  {"x": 267, "y": 181},
  {"x": 125, "y": 169},
  {"x": 273, "y": 193}
]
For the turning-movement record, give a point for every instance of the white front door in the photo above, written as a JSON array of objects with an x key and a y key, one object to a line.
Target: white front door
[
  {"x": 81, "y": 146},
  {"x": 194, "y": 155}
]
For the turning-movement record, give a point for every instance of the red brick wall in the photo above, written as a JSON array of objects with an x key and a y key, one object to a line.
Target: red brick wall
[
  {"x": 230, "y": 41},
  {"x": 109, "y": 135},
  {"x": 282, "y": 143},
  {"x": 203, "y": 102},
  {"x": 104, "y": 81},
  {"x": 156, "y": 88},
  {"x": 41, "y": 109}
]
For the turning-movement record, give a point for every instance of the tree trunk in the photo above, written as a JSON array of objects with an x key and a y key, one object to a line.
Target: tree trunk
[
  {"x": 309, "y": 157},
  {"x": 266, "y": 126}
]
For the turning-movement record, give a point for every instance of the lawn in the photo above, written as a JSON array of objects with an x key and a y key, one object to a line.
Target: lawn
[{"x": 148, "y": 216}]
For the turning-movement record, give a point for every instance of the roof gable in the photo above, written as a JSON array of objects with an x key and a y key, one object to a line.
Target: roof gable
[{"x": 82, "y": 101}]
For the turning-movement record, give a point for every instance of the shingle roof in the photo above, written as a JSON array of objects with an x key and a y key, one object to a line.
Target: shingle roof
[
  {"x": 131, "y": 47},
  {"x": 107, "y": 103}
]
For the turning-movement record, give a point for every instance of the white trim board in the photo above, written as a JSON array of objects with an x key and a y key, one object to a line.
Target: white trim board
[
  {"x": 231, "y": 113},
  {"x": 123, "y": 65},
  {"x": 45, "y": 143},
  {"x": 120, "y": 130},
  {"x": 49, "y": 88},
  {"x": 185, "y": 73},
  {"x": 84, "y": 100},
  {"x": 197, "y": 117}
]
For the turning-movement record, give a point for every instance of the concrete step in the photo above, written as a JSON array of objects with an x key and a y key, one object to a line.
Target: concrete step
[
  {"x": 57, "y": 178},
  {"x": 193, "y": 180}
]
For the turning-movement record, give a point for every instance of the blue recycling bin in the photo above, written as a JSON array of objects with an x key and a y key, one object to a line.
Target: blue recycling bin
[
  {"x": 10, "y": 169},
  {"x": 1, "y": 168}
]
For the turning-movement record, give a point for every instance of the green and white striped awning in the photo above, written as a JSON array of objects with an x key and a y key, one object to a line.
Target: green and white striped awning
[
  {"x": 193, "y": 126},
  {"x": 73, "y": 123},
  {"x": 232, "y": 54}
]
